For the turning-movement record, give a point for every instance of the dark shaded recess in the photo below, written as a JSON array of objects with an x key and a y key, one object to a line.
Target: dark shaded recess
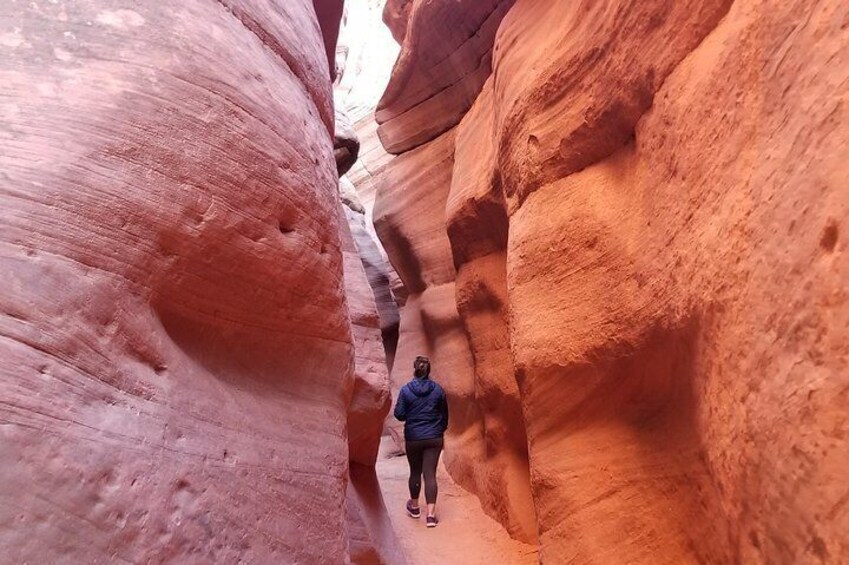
[
  {"x": 407, "y": 267},
  {"x": 830, "y": 234},
  {"x": 390, "y": 344},
  {"x": 346, "y": 151},
  {"x": 477, "y": 232},
  {"x": 329, "y": 13}
]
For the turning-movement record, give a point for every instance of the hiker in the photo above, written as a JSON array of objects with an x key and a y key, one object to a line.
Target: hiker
[{"x": 423, "y": 409}]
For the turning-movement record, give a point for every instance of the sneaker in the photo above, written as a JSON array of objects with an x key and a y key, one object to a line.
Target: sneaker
[
  {"x": 413, "y": 512},
  {"x": 432, "y": 521}
]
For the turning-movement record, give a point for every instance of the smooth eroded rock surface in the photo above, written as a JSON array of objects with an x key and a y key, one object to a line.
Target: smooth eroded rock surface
[
  {"x": 178, "y": 356},
  {"x": 445, "y": 58},
  {"x": 396, "y": 16},
  {"x": 414, "y": 238},
  {"x": 371, "y": 538},
  {"x": 377, "y": 271},
  {"x": 370, "y": 401},
  {"x": 646, "y": 222}
]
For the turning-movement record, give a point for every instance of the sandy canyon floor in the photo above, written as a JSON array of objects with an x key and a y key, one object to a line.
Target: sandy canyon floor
[{"x": 464, "y": 535}]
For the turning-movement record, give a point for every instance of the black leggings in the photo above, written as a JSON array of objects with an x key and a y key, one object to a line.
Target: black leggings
[{"x": 423, "y": 455}]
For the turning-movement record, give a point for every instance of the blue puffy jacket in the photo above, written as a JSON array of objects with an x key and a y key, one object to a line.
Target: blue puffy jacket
[{"x": 423, "y": 409}]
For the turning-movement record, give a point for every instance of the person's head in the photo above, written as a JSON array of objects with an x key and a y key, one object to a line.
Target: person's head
[{"x": 421, "y": 367}]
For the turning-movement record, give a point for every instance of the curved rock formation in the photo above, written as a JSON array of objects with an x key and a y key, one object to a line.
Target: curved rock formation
[
  {"x": 396, "y": 14},
  {"x": 445, "y": 59},
  {"x": 411, "y": 187},
  {"x": 365, "y": 62},
  {"x": 177, "y": 349},
  {"x": 645, "y": 225},
  {"x": 575, "y": 96},
  {"x": 370, "y": 401}
]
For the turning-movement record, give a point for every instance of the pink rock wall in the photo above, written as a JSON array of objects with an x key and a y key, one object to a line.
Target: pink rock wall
[
  {"x": 370, "y": 401},
  {"x": 377, "y": 271},
  {"x": 371, "y": 539},
  {"x": 646, "y": 220},
  {"x": 177, "y": 346}
]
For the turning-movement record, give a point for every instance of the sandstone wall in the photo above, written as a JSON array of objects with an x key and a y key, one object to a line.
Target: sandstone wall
[
  {"x": 377, "y": 272},
  {"x": 645, "y": 215},
  {"x": 396, "y": 14},
  {"x": 445, "y": 58},
  {"x": 370, "y": 400},
  {"x": 177, "y": 349},
  {"x": 371, "y": 537}
]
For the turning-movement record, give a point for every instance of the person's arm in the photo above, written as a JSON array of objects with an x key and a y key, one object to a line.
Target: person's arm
[
  {"x": 443, "y": 408},
  {"x": 401, "y": 407}
]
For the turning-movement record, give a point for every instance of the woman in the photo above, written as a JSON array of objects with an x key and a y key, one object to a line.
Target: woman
[{"x": 423, "y": 409}]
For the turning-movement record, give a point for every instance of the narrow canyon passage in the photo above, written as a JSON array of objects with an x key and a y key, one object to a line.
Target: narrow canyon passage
[
  {"x": 469, "y": 536},
  {"x": 617, "y": 229}
]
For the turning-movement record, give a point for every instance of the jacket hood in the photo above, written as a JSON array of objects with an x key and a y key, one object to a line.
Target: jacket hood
[{"x": 422, "y": 387}]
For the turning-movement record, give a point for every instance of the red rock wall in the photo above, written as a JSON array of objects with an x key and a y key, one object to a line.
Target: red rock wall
[
  {"x": 396, "y": 15},
  {"x": 646, "y": 222},
  {"x": 177, "y": 347}
]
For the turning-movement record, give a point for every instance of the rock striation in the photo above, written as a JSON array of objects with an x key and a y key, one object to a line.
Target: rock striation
[
  {"x": 445, "y": 58},
  {"x": 624, "y": 253},
  {"x": 371, "y": 538},
  {"x": 180, "y": 381},
  {"x": 396, "y": 15}
]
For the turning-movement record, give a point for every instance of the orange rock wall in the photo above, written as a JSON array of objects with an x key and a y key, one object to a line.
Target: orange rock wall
[
  {"x": 646, "y": 220},
  {"x": 177, "y": 351}
]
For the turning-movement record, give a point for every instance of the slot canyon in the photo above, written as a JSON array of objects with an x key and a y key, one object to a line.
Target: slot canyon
[{"x": 617, "y": 228}]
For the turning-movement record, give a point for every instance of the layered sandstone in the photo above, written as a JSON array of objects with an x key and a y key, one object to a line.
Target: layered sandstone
[
  {"x": 645, "y": 224},
  {"x": 445, "y": 59},
  {"x": 377, "y": 272},
  {"x": 178, "y": 356},
  {"x": 371, "y": 539},
  {"x": 370, "y": 399},
  {"x": 416, "y": 242},
  {"x": 396, "y": 15},
  {"x": 366, "y": 172}
]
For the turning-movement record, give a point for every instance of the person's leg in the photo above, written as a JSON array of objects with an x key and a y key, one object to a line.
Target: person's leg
[
  {"x": 430, "y": 460},
  {"x": 415, "y": 455}
]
